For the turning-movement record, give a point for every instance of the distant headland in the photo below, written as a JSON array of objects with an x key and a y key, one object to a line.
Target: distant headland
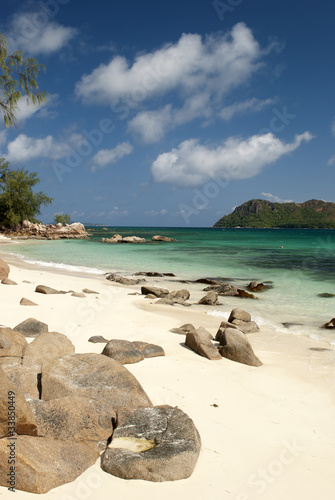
[{"x": 312, "y": 214}]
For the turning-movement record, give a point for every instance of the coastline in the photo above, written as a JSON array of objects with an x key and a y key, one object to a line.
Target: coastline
[{"x": 262, "y": 413}]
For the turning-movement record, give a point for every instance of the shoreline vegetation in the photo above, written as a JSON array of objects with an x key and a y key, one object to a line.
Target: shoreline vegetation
[
  {"x": 238, "y": 441},
  {"x": 263, "y": 214}
]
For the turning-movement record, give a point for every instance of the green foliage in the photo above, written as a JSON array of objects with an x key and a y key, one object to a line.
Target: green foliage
[
  {"x": 16, "y": 73},
  {"x": 62, "y": 218},
  {"x": 18, "y": 201},
  {"x": 262, "y": 213}
]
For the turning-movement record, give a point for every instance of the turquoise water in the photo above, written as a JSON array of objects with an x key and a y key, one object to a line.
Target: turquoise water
[{"x": 300, "y": 263}]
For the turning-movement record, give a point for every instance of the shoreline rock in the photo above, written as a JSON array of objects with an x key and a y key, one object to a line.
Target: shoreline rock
[{"x": 30, "y": 231}]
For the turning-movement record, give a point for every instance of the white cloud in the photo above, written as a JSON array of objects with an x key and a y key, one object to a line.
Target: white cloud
[
  {"x": 248, "y": 106},
  {"x": 217, "y": 64},
  {"x": 34, "y": 34},
  {"x": 192, "y": 164},
  {"x": 154, "y": 213},
  {"x": 275, "y": 199},
  {"x": 331, "y": 161},
  {"x": 26, "y": 111},
  {"x": 24, "y": 148},
  {"x": 106, "y": 156}
]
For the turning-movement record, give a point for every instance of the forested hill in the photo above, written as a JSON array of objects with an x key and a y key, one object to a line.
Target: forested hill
[{"x": 262, "y": 213}]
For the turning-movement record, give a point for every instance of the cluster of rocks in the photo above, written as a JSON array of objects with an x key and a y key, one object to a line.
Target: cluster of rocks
[
  {"x": 165, "y": 296},
  {"x": 72, "y": 409},
  {"x": 29, "y": 230},
  {"x": 231, "y": 337},
  {"x": 117, "y": 238},
  {"x": 226, "y": 290}
]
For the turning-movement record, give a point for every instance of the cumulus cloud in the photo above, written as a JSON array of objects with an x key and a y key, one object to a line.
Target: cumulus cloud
[
  {"x": 26, "y": 111},
  {"x": 217, "y": 63},
  {"x": 107, "y": 156},
  {"x": 35, "y": 34},
  {"x": 248, "y": 106},
  {"x": 192, "y": 163},
  {"x": 275, "y": 199}
]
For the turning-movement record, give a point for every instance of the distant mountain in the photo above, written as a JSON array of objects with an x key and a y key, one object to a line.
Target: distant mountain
[{"x": 262, "y": 213}]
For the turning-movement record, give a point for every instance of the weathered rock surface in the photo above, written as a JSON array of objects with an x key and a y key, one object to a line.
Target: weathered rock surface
[
  {"x": 123, "y": 280},
  {"x": 210, "y": 299},
  {"x": 46, "y": 290},
  {"x": 93, "y": 376},
  {"x": 149, "y": 350},
  {"x": 117, "y": 238},
  {"x": 27, "y": 302},
  {"x": 254, "y": 286},
  {"x": 4, "y": 270},
  {"x": 98, "y": 339},
  {"x": 25, "y": 422},
  {"x": 201, "y": 344},
  {"x": 246, "y": 326},
  {"x": 7, "y": 281},
  {"x": 74, "y": 418},
  {"x": 123, "y": 351},
  {"x": 222, "y": 327},
  {"x": 245, "y": 295},
  {"x": 224, "y": 290},
  {"x": 153, "y": 444},
  {"x": 153, "y": 290},
  {"x": 182, "y": 330},
  {"x": 31, "y": 327},
  {"x": 25, "y": 378},
  {"x": 179, "y": 295},
  {"x": 12, "y": 343},
  {"x": 157, "y": 237},
  {"x": 45, "y": 463},
  {"x": 236, "y": 347},
  {"x": 47, "y": 347}
]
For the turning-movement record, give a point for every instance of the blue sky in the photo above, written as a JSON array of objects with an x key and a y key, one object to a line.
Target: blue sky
[{"x": 172, "y": 113}]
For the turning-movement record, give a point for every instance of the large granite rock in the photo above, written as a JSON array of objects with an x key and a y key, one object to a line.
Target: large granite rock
[
  {"x": 4, "y": 270},
  {"x": 123, "y": 351},
  {"x": 47, "y": 347},
  {"x": 12, "y": 343},
  {"x": 200, "y": 343},
  {"x": 242, "y": 320},
  {"x": 238, "y": 313},
  {"x": 93, "y": 376},
  {"x": 236, "y": 347},
  {"x": 74, "y": 418},
  {"x": 25, "y": 378},
  {"x": 153, "y": 444},
  {"x": 45, "y": 463},
  {"x": 153, "y": 290},
  {"x": 29, "y": 230},
  {"x": 31, "y": 327},
  {"x": 25, "y": 422}
]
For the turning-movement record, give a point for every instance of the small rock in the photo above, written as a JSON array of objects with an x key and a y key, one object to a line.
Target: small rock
[
  {"x": 149, "y": 350},
  {"x": 245, "y": 295},
  {"x": 80, "y": 295},
  {"x": 7, "y": 281},
  {"x": 87, "y": 290},
  {"x": 326, "y": 295},
  {"x": 254, "y": 286},
  {"x": 150, "y": 274},
  {"x": 210, "y": 299},
  {"x": 46, "y": 290},
  {"x": 153, "y": 290},
  {"x": 27, "y": 302},
  {"x": 98, "y": 339},
  {"x": 330, "y": 324},
  {"x": 150, "y": 296},
  {"x": 162, "y": 238},
  {"x": 123, "y": 351},
  {"x": 184, "y": 329}
]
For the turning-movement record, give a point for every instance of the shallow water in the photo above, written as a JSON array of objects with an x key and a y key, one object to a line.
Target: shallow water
[{"x": 299, "y": 263}]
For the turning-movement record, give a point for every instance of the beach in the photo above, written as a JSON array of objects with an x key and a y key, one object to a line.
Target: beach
[{"x": 267, "y": 432}]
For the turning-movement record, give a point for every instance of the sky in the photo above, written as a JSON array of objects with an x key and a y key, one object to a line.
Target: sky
[{"x": 171, "y": 114}]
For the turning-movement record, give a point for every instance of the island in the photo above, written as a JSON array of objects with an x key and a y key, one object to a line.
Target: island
[{"x": 312, "y": 214}]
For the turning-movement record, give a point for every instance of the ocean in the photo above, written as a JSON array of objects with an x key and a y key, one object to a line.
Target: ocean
[{"x": 297, "y": 264}]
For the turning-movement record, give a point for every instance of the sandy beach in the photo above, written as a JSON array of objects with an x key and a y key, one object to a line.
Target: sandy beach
[{"x": 271, "y": 433}]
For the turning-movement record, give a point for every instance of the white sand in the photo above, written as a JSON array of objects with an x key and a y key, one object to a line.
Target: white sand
[{"x": 272, "y": 435}]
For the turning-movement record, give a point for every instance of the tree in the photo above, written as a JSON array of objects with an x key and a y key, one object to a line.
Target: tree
[
  {"x": 17, "y": 73},
  {"x": 62, "y": 218},
  {"x": 18, "y": 202}
]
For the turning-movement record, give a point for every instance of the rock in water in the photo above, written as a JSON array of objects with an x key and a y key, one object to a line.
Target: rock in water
[
  {"x": 93, "y": 376},
  {"x": 31, "y": 327},
  {"x": 153, "y": 444},
  {"x": 123, "y": 351},
  {"x": 45, "y": 463},
  {"x": 236, "y": 347},
  {"x": 210, "y": 299},
  {"x": 157, "y": 237}
]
